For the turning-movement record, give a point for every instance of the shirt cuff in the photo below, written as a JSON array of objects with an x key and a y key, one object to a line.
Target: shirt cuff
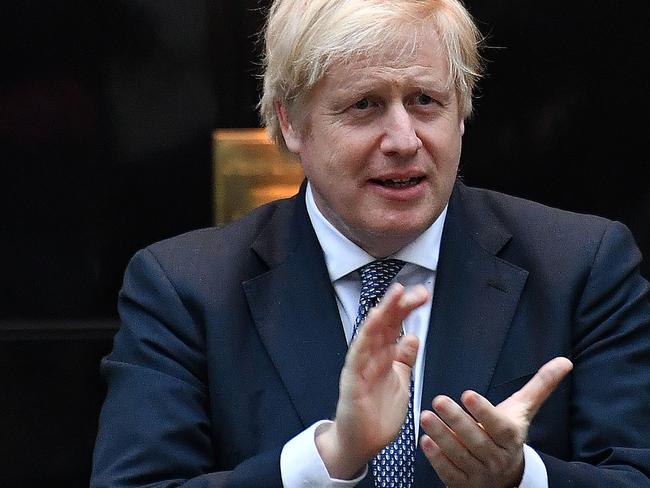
[
  {"x": 535, "y": 475},
  {"x": 301, "y": 465}
]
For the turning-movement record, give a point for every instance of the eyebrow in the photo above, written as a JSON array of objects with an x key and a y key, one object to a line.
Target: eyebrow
[
  {"x": 422, "y": 79},
  {"x": 356, "y": 89}
]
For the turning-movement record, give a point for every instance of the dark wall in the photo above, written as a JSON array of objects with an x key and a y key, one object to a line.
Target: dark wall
[
  {"x": 561, "y": 114},
  {"x": 51, "y": 395},
  {"x": 106, "y": 111},
  {"x": 105, "y": 133}
]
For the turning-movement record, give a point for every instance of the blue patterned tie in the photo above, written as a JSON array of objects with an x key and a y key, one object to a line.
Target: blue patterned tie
[{"x": 394, "y": 465}]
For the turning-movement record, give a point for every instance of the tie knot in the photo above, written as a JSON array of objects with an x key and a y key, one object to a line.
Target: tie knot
[{"x": 375, "y": 279}]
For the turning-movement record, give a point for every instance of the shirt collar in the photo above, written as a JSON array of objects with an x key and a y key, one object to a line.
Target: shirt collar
[{"x": 342, "y": 256}]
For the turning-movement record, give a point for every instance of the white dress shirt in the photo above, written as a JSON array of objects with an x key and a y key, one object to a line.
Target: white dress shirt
[{"x": 300, "y": 462}]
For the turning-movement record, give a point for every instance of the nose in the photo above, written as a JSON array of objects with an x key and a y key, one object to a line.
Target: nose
[{"x": 399, "y": 136}]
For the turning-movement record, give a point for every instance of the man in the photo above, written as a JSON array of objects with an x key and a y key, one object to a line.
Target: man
[{"x": 248, "y": 355}]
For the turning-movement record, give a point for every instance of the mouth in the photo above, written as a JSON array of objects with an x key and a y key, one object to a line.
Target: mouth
[{"x": 398, "y": 182}]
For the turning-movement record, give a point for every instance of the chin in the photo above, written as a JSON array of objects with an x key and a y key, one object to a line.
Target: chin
[
  {"x": 408, "y": 224},
  {"x": 396, "y": 237}
]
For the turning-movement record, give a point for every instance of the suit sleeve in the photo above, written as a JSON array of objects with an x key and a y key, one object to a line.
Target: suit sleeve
[
  {"x": 610, "y": 410},
  {"x": 154, "y": 428}
]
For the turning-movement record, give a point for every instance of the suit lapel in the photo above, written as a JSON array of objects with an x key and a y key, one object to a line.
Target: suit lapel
[
  {"x": 476, "y": 294},
  {"x": 294, "y": 308}
]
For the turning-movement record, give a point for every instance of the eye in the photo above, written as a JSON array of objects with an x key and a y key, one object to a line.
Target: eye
[
  {"x": 362, "y": 104},
  {"x": 423, "y": 99}
]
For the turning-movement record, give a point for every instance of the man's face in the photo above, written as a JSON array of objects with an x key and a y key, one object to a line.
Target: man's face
[{"x": 381, "y": 144}]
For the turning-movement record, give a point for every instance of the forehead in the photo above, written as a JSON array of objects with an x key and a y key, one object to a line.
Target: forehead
[{"x": 414, "y": 60}]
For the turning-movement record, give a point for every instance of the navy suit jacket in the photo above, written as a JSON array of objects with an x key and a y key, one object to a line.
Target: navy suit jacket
[{"x": 231, "y": 344}]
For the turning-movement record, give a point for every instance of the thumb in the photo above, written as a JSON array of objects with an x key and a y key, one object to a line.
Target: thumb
[{"x": 537, "y": 390}]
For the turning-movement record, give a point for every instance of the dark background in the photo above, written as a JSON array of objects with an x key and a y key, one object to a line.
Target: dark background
[{"x": 106, "y": 114}]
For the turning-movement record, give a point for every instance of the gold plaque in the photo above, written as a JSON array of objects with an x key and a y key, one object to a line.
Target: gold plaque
[{"x": 249, "y": 171}]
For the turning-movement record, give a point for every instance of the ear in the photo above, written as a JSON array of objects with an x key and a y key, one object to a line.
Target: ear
[
  {"x": 462, "y": 127},
  {"x": 292, "y": 137}
]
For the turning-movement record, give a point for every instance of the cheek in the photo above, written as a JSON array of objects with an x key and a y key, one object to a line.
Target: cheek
[
  {"x": 321, "y": 169},
  {"x": 445, "y": 146},
  {"x": 332, "y": 160}
]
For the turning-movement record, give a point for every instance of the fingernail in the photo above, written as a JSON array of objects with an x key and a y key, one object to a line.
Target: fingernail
[{"x": 440, "y": 402}]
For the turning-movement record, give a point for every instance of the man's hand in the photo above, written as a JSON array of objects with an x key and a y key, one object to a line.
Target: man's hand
[
  {"x": 374, "y": 386},
  {"x": 486, "y": 450}
]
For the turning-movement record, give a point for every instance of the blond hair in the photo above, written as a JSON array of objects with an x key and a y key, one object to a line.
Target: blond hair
[{"x": 303, "y": 38}]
